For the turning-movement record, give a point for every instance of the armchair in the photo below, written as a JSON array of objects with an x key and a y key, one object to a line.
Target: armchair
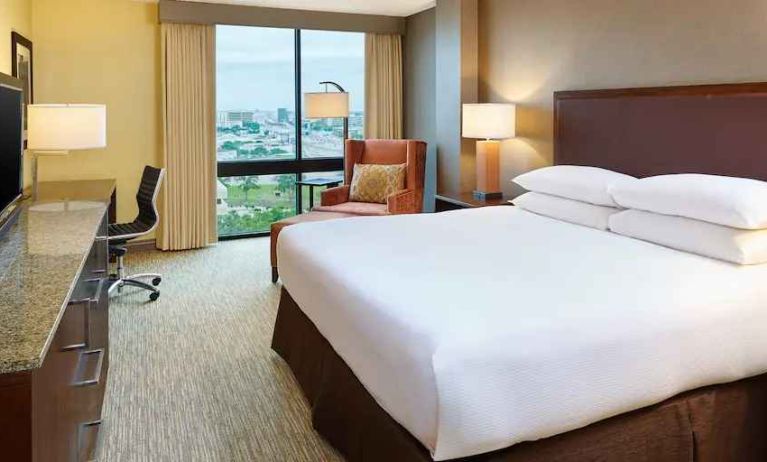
[{"x": 408, "y": 200}]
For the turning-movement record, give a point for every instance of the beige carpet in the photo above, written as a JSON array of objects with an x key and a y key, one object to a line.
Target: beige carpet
[{"x": 192, "y": 377}]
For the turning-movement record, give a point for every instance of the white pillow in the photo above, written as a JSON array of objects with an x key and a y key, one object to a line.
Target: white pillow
[
  {"x": 580, "y": 213},
  {"x": 585, "y": 184},
  {"x": 729, "y": 201},
  {"x": 745, "y": 247}
]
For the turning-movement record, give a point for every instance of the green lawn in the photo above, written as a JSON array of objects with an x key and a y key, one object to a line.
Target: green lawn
[
  {"x": 278, "y": 207},
  {"x": 262, "y": 196}
]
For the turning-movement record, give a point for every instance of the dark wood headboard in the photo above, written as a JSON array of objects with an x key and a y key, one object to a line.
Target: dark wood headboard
[{"x": 715, "y": 129}]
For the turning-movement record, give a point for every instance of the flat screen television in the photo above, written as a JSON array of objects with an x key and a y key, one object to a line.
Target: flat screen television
[{"x": 11, "y": 147}]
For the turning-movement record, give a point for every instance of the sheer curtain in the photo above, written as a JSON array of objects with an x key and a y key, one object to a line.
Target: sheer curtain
[
  {"x": 383, "y": 86},
  {"x": 188, "y": 207}
]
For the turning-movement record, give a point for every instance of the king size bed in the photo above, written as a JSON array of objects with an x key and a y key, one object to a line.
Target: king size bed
[{"x": 498, "y": 334}]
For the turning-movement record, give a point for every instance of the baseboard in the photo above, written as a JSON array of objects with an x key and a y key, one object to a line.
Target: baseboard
[{"x": 146, "y": 244}]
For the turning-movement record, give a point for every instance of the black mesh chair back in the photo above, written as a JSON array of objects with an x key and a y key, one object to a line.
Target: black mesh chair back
[
  {"x": 144, "y": 223},
  {"x": 146, "y": 198}
]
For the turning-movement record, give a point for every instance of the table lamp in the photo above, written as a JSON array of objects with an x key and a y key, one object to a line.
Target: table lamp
[
  {"x": 57, "y": 129},
  {"x": 328, "y": 105},
  {"x": 490, "y": 123}
]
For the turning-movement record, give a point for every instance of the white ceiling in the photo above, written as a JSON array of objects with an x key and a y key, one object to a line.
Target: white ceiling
[{"x": 382, "y": 7}]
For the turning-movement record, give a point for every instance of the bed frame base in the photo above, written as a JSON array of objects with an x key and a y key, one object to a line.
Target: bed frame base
[{"x": 718, "y": 423}]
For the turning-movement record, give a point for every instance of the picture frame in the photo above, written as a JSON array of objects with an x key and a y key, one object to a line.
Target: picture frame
[{"x": 22, "y": 67}]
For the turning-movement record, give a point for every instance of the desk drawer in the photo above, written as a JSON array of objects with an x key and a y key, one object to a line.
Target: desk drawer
[
  {"x": 68, "y": 389},
  {"x": 77, "y": 330}
]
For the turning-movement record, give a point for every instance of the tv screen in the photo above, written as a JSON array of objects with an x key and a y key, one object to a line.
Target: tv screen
[{"x": 10, "y": 145}]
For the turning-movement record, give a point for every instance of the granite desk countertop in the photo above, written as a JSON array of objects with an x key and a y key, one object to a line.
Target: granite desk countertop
[{"x": 41, "y": 256}]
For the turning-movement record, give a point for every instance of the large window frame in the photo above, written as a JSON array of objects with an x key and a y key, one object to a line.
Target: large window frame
[{"x": 297, "y": 166}]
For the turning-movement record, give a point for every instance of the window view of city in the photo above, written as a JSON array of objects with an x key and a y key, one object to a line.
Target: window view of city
[
  {"x": 256, "y": 116},
  {"x": 338, "y": 57}
]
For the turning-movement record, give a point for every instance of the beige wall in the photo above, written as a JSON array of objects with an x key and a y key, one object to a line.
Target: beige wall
[
  {"x": 531, "y": 48},
  {"x": 15, "y": 15},
  {"x": 103, "y": 51}
]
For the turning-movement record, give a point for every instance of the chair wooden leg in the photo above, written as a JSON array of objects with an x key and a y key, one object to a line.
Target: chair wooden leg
[{"x": 275, "y": 275}]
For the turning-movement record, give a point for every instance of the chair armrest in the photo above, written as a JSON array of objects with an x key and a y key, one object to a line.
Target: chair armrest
[
  {"x": 335, "y": 196},
  {"x": 405, "y": 201}
]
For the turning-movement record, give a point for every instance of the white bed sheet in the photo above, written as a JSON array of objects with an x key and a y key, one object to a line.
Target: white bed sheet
[{"x": 479, "y": 329}]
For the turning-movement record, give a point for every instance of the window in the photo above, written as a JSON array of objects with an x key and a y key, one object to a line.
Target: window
[
  {"x": 249, "y": 204},
  {"x": 254, "y": 94},
  {"x": 261, "y": 75},
  {"x": 337, "y": 57}
]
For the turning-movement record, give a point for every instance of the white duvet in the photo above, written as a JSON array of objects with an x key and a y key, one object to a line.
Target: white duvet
[{"x": 479, "y": 329}]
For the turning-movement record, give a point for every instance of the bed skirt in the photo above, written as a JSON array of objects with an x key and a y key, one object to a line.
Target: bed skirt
[{"x": 725, "y": 422}]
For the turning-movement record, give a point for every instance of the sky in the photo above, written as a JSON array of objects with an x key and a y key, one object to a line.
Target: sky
[{"x": 255, "y": 66}]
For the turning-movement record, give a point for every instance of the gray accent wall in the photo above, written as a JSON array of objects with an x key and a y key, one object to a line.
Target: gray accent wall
[
  {"x": 531, "y": 49},
  {"x": 441, "y": 72},
  {"x": 457, "y": 82},
  {"x": 419, "y": 75}
]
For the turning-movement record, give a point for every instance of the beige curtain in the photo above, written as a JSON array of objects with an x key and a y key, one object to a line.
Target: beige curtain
[
  {"x": 383, "y": 86},
  {"x": 188, "y": 213}
]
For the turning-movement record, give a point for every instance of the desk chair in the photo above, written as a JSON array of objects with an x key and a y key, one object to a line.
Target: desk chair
[{"x": 145, "y": 222}]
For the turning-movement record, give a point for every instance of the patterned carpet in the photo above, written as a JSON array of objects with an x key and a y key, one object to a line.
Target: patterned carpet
[{"x": 192, "y": 377}]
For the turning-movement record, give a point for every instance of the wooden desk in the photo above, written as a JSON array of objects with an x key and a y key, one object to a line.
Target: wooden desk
[
  {"x": 82, "y": 190},
  {"x": 54, "y": 314}
]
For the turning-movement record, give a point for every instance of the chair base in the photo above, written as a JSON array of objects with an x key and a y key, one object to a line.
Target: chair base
[
  {"x": 119, "y": 280},
  {"x": 117, "y": 283},
  {"x": 275, "y": 274}
]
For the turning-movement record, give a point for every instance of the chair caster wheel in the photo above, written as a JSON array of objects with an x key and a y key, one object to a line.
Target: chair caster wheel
[
  {"x": 154, "y": 296},
  {"x": 156, "y": 281}
]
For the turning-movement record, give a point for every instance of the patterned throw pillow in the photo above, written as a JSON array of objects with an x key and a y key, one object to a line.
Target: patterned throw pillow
[{"x": 374, "y": 183}]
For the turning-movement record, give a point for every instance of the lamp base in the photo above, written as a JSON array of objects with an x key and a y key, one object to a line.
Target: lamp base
[
  {"x": 482, "y": 195},
  {"x": 35, "y": 168},
  {"x": 488, "y": 169}
]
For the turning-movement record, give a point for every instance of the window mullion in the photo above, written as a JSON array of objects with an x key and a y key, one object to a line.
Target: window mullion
[{"x": 298, "y": 118}]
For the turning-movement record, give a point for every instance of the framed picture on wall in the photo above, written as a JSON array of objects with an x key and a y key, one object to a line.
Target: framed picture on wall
[{"x": 21, "y": 68}]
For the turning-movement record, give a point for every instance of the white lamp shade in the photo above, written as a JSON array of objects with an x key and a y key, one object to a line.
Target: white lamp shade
[
  {"x": 326, "y": 105},
  {"x": 489, "y": 121},
  {"x": 66, "y": 127}
]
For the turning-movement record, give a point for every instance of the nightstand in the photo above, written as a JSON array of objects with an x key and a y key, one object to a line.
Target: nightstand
[{"x": 465, "y": 200}]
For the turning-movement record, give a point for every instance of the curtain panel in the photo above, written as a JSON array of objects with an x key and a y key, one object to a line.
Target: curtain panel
[
  {"x": 383, "y": 86},
  {"x": 188, "y": 206}
]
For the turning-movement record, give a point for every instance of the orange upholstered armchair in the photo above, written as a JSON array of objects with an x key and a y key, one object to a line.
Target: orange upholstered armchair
[{"x": 388, "y": 152}]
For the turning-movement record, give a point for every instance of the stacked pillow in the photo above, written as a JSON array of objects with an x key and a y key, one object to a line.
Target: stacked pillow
[
  {"x": 715, "y": 216},
  {"x": 571, "y": 193}
]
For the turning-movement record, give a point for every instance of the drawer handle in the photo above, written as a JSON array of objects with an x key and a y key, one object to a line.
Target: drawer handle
[
  {"x": 96, "y": 294},
  {"x": 88, "y": 302},
  {"x": 81, "y": 432},
  {"x": 86, "y": 327},
  {"x": 97, "y": 374}
]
